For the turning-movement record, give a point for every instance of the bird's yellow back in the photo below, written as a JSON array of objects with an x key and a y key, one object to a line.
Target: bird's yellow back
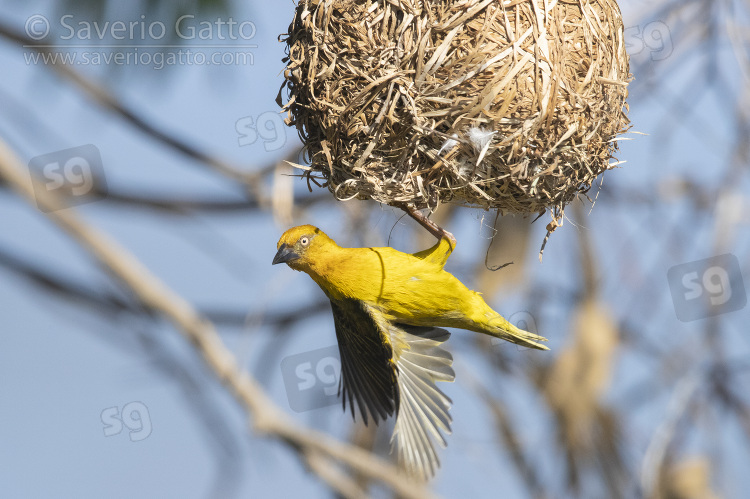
[{"x": 404, "y": 286}]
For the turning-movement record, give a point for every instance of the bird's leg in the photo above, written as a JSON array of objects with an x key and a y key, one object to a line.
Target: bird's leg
[{"x": 428, "y": 224}]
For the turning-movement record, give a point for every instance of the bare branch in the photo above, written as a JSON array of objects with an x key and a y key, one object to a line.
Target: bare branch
[{"x": 108, "y": 101}]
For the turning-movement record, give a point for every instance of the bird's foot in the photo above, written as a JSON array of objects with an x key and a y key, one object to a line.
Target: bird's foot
[{"x": 428, "y": 224}]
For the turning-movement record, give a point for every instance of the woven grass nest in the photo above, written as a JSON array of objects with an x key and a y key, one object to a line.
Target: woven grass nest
[{"x": 512, "y": 105}]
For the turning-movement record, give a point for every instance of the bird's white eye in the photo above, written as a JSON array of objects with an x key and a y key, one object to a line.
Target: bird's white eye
[{"x": 304, "y": 241}]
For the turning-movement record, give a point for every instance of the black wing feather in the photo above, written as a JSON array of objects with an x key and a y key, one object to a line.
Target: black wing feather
[
  {"x": 392, "y": 368},
  {"x": 368, "y": 374}
]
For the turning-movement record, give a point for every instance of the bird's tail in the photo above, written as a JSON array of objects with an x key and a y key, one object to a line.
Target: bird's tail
[{"x": 499, "y": 327}]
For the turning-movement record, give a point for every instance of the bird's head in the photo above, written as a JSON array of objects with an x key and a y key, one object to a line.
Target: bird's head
[{"x": 298, "y": 245}]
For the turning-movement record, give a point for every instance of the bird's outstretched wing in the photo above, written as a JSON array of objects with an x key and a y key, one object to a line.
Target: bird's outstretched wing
[
  {"x": 423, "y": 412},
  {"x": 387, "y": 366},
  {"x": 367, "y": 373}
]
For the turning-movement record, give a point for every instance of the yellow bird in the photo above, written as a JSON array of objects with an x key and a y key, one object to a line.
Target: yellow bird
[{"x": 388, "y": 308}]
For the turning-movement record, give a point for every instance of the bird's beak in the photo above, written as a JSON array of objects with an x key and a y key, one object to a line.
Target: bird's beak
[{"x": 285, "y": 254}]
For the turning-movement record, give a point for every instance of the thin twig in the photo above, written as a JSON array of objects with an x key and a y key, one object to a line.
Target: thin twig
[{"x": 428, "y": 224}]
